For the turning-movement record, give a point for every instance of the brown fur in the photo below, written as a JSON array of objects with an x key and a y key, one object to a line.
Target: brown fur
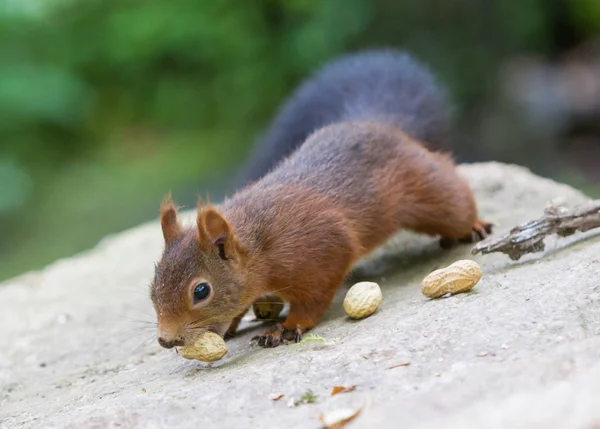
[{"x": 298, "y": 231}]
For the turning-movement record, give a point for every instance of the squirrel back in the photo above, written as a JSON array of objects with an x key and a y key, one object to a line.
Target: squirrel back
[{"x": 384, "y": 86}]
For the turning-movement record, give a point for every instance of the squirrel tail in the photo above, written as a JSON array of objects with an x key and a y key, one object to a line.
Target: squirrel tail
[{"x": 386, "y": 86}]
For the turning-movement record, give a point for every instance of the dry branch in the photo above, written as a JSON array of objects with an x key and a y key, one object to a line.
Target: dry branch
[{"x": 529, "y": 237}]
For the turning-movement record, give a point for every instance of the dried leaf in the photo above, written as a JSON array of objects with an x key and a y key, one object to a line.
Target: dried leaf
[
  {"x": 399, "y": 365},
  {"x": 276, "y": 396},
  {"x": 144, "y": 389},
  {"x": 342, "y": 389},
  {"x": 339, "y": 418}
]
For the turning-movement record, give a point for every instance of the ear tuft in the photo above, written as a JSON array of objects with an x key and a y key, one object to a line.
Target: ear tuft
[{"x": 168, "y": 220}]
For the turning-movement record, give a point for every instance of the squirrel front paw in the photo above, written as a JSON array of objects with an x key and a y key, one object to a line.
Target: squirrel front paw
[{"x": 274, "y": 336}]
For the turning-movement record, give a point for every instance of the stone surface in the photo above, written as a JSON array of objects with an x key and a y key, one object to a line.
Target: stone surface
[{"x": 521, "y": 350}]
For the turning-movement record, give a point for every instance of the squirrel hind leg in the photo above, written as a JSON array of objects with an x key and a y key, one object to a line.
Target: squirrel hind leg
[
  {"x": 429, "y": 196},
  {"x": 450, "y": 211},
  {"x": 480, "y": 231},
  {"x": 453, "y": 233}
]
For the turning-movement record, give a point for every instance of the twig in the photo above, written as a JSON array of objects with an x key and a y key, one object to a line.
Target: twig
[
  {"x": 399, "y": 365},
  {"x": 529, "y": 237}
]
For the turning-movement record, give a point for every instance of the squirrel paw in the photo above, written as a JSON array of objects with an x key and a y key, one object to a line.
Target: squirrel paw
[
  {"x": 273, "y": 337},
  {"x": 294, "y": 335},
  {"x": 480, "y": 230}
]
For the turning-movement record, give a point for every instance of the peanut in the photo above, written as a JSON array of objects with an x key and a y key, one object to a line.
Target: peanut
[
  {"x": 267, "y": 307},
  {"x": 459, "y": 277},
  {"x": 209, "y": 347},
  {"x": 362, "y": 300}
]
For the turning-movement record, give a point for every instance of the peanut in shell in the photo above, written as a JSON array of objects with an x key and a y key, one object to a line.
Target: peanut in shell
[
  {"x": 209, "y": 347},
  {"x": 459, "y": 277},
  {"x": 362, "y": 300}
]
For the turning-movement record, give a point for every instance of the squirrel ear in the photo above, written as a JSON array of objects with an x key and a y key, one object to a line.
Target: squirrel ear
[
  {"x": 214, "y": 229},
  {"x": 168, "y": 220}
]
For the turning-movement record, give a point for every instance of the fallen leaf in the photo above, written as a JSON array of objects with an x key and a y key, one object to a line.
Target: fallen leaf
[
  {"x": 339, "y": 418},
  {"x": 276, "y": 396},
  {"x": 342, "y": 389},
  {"x": 144, "y": 389},
  {"x": 399, "y": 365}
]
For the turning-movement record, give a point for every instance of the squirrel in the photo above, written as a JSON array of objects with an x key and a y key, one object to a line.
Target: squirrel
[{"x": 351, "y": 159}]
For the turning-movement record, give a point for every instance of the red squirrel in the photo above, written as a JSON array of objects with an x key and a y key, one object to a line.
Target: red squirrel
[{"x": 347, "y": 163}]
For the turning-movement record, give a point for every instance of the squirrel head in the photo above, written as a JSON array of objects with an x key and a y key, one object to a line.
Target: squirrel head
[{"x": 199, "y": 282}]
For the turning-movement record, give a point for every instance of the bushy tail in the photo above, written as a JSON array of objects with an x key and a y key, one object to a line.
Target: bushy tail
[{"x": 383, "y": 86}]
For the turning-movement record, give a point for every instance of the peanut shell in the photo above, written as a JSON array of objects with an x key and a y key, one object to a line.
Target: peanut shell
[
  {"x": 362, "y": 300},
  {"x": 459, "y": 277},
  {"x": 209, "y": 347}
]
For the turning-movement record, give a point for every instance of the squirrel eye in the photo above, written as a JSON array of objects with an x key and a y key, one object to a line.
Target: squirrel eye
[{"x": 201, "y": 292}]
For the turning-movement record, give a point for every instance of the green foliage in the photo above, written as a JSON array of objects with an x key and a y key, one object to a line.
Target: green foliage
[
  {"x": 586, "y": 14},
  {"x": 91, "y": 66},
  {"x": 16, "y": 186}
]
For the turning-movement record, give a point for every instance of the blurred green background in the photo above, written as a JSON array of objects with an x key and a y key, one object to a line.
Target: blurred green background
[{"x": 106, "y": 105}]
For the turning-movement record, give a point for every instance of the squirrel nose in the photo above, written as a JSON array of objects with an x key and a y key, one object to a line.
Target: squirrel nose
[{"x": 169, "y": 344}]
